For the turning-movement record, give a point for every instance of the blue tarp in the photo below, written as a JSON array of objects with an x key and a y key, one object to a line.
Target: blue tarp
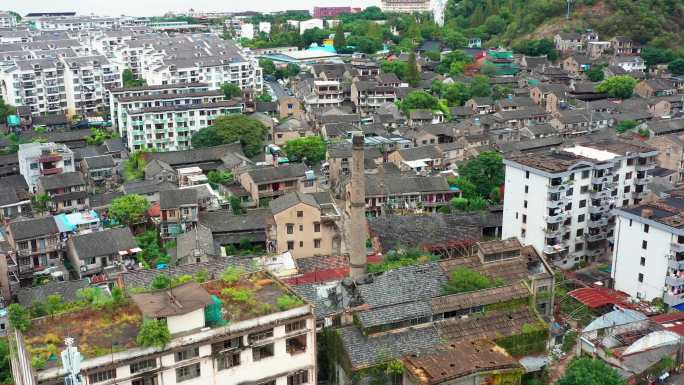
[{"x": 679, "y": 307}]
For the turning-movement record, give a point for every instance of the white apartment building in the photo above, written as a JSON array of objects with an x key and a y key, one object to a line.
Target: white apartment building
[
  {"x": 261, "y": 344},
  {"x": 86, "y": 80},
  {"x": 406, "y": 6},
  {"x": 310, "y": 24},
  {"x": 75, "y": 23},
  {"x": 40, "y": 159},
  {"x": 36, "y": 83},
  {"x": 648, "y": 258},
  {"x": 7, "y": 20},
  {"x": 247, "y": 31},
  {"x": 170, "y": 128},
  {"x": 561, "y": 201}
]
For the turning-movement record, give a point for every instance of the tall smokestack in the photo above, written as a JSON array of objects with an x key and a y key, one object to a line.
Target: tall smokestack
[{"x": 358, "y": 258}]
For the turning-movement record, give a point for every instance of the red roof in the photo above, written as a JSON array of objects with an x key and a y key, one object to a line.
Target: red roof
[
  {"x": 154, "y": 210},
  {"x": 595, "y": 297},
  {"x": 324, "y": 275},
  {"x": 673, "y": 322}
]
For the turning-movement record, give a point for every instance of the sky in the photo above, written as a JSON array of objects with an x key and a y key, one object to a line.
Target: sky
[{"x": 158, "y": 7}]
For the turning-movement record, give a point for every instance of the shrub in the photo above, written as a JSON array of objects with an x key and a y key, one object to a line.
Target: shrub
[
  {"x": 569, "y": 341},
  {"x": 153, "y": 333},
  {"x": 238, "y": 295},
  {"x": 231, "y": 274},
  {"x": 465, "y": 280},
  {"x": 161, "y": 281},
  {"x": 19, "y": 317},
  {"x": 286, "y": 302}
]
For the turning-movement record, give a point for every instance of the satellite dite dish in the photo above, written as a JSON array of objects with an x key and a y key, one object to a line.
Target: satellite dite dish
[{"x": 71, "y": 362}]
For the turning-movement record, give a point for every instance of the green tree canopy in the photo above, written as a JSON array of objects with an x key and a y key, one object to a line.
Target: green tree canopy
[
  {"x": 267, "y": 67},
  {"x": 480, "y": 86},
  {"x": 394, "y": 66},
  {"x": 590, "y": 371},
  {"x": 129, "y": 209},
  {"x": 153, "y": 333},
  {"x": 19, "y": 317},
  {"x": 5, "y": 111},
  {"x": 231, "y": 90},
  {"x": 134, "y": 166},
  {"x": 485, "y": 172},
  {"x": 249, "y": 131},
  {"x": 217, "y": 177},
  {"x": 457, "y": 94},
  {"x": 464, "y": 280},
  {"x": 339, "y": 41},
  {"x": 5, "y": 363},
  {"x": 128, "y": 79},
  {"x": 626, "y": 125},
  {"x": 620, "y": 87},
  {"x": 595, "y": 73},
  {"x": 419, "y": 100},
  {"x": 412, "y": 75},
  {"x": 310, "y": 148},
  {"x": 677, "y": 66}
]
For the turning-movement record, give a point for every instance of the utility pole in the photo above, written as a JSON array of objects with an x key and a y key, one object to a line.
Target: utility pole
[{"x": 567, "y": 16}]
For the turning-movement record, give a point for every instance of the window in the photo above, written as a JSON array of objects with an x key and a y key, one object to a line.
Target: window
[
  {"x": 298, "y": 378},
  {"x": 584, "y": 189},
  {"x": 644, "y": 245},
  {"x": 527, "y": 175},
  {"x": 646, "y": 228},
  {"x": 627, "y": 188},
  {"x": 317, "y": 227},
  {"x": 580, "y": 218},
  {"x": 579, "y": 246},
  {"x": 579, "y": 232},
  {"x": 527, "y": 189},
  {"x": 290, "y": 228},
  {"x": 296, "y": 345},
  {"x": 642, "y": 262},
  {"x": 34, "y": 166},
  {"x": 254, "y": 337},
  {"x": 569, "y": 192},
  {"x": 628, "y": 175},
  {"x": 524, "y": 218},
  {"x": 143, "y": 365},
  {"x": 317, "y": 243},
  {"x": 297, "y": 325},
  {"x": 626, "y": 203},
  {"x": 585, "y": 174},
  {"x": 300, "y": 214},
  {"x": 102, "y": 376},
  {"x": 187, "y": 372},
  {"x": 525, "y": 203},
  {"x": 301, "y": 243},
  {"x": 641, "y": 277},
  {"x": 150, "y": 380},
  {"x": 261, "y": 352},
  {"x": 290, "y": 245},
  {"x": 228, "y": 360},
  {"x": 301, "y": 227},
  {"x": 187, "y": 354},
  {"x": 583, "y": 203}
]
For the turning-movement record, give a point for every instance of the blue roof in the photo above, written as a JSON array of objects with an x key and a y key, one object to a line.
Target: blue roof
[{"x": 326, "y": 48}]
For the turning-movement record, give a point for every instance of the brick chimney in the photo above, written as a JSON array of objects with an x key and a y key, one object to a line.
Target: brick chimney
[{"x": 357, "y": 258}]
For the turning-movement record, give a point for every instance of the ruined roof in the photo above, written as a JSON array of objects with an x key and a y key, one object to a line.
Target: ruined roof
[
  {"x": 395, "y": 313},
  {"x": 491, "y": 325},
  {"x": 405, "y": 284},
  {"x": 175, "y": 301},
  {"x": 489, "y": 296}
]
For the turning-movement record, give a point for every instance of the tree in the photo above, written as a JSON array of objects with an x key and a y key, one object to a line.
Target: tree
[
  {"x": 500, "y": 92},
  {"x": 160, "y": 281},
  {"x": 310, "y": 149},
  {"x": 494, "y": 25},
  {"x": 249, "y": 131},
  {"x": 485, "y": 172},
  {"x": 134, "y": 166},
  {"x": 480, "y": 86},
  {"x": 129, "y": 209},
  {"x": 98, "y": 136},
  {"x": 412, "y": 75},
  {"x": 677, "y": 66},
  {"x": 217, "y": 177},
  {"x": 128, "y": 79},
  {"x": 457, "y": 94},
  {"x": 455, "y": 39},
  {"x": 19, "y": 317},
  {"x": 419, "y": 100},
  {"x": 595, "y": 73},
  {"x": 620, "y": 87},
  {"x": 153, "y": 333},
  {"x": 235, "y": 204},
  {"x": 231, "y": 90},
  {"x": 264, "y": 97},
  {"x": 5, "y": 362},
  {"x": 54, "y": 304},
  {"x": 339, "y": 41},
  {"x": 5, "y": 111},
  {"x": 590, "y": 371},
  {"x": 394, "y": 66},
  {"x": 267, "y": 67},
  {"x": 40, "y": 203},
  {"x": 626, "y": 125}
]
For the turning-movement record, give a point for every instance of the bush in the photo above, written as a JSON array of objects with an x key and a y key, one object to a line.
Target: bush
[
  {"x": 286, "y": 302},
  {"x": 464, "y": 280},
  {"x": 19, "y": 317},
  {"x": 569, "y": 341},
  {"x": 161, "y": 281},
  {"x": 153, "y": 333},
  {"x": 232, "y": 274},
  {"x": 238, "y": 295}
]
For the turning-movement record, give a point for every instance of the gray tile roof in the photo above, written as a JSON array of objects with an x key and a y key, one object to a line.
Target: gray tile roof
[
  {"x": 398, "y": 184},
  {"x": 68, "y": 290},
  {"x": 147, "y": 187},
  {"x": 395, "y": 313},
  {"x": 99, "y": 162},
  {"x": 33, "y": 228},
  {"x": 274, "y": 174},
  {"x": 405, "y": 284},
  {"x": 103, "y": 243},
  {"x": 104, "y": 199},
  {"x": 66, "y": 179},
  {"x": 421, "y": 152},
  {"x": 291, "y": 199},
  {"x": 173, "y": 199},
  {"x": 143, "y": 278},
  {"x": 199, "y": 238},
  {"x": 226, "y": 222},
  {"x": 191, "y": 157},
  {"x": 364, "y": 351}
]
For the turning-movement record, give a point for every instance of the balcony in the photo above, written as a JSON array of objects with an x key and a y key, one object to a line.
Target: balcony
[
  {"x": 595, "y": 237},
  {"x": 673, "y": 299},
  {"x": 552, "y": 187},
  {"x": 551, "y": 232},
  {"x": 559, "y": 217},
  {"x": 598, "y": 209},
  {"x": 675, "y": 264},
  {"x": 643, "y": 181},
  {"x": 51, "y": 171},
  {"x": 677, "y": 247},
  {"x": 597, "y": 223},
  {"x": 644, "y": 166},
  {"x": 49, "y": 158},
  {"x": 673, "y": 280},
  {"x": 603, "y": 193}
]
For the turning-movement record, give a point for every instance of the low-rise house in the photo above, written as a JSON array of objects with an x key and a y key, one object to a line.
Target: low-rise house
[
  {"x": 195, "y": 246},
  {"x": 98, "y": 169},
  {"x": 549, "y": 96},
  {"x": 664, "y": 127},
  {"x": 36, "y": 244},
  {"x": 339, "y": 157},
  {"x": 179, "y": 211},
  {"x": 568, "y": 41},
  {"x": 624, "y": 46},
  {"x": 67, "y": 191},
  {"x": 103, "y": 254},
  {"x": 419, "y": 160},
  {"x": 655, "y": 87},
  {"x": 290, "y": 129},
  {"x": 160, "y": 171},
  {"x": 629, "y": 63},
  {"x": 481, "y": 105},
  {"x": 368, "y": 95},
  {"x": 576, "y": 122},
  {"x": 595, "y": 49},
  {"x": 303, "y": 224},
  {"x": 265, "y": 183},
  {"x": 229, "y": 229},
  {"x": 576, "y": 64},
  {"x": 13, "y": 203},
  {"x": 519, "y": 118},
  {"x": 422, "y": 116},
  {"x": 289, "y": 106}
]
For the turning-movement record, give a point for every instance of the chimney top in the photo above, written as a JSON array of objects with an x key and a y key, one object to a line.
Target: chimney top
[{"x": 357, "y": 140}]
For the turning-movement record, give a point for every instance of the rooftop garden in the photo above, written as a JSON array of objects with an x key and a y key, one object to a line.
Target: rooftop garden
[
  {"x": 464, "y": 280},
  {"x": 406, "y": 257}
]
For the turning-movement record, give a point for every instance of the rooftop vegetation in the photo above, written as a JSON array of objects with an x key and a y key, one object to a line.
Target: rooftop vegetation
[{"x": 463, "y": 280}]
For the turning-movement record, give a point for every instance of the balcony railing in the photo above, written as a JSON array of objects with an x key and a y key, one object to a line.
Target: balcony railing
[
  {"x": 673, "y": 280},
  {"x": 51, "y": 171}
]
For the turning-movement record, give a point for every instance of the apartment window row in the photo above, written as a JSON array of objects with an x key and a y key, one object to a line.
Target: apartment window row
[
  {"x": 102, "y": 376},
  {"x": 187, "y": 354},
  {"x": 316, "y": 242},
  {"x": 188, "y": 372},
  {"x": 143, "y": 365}
]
